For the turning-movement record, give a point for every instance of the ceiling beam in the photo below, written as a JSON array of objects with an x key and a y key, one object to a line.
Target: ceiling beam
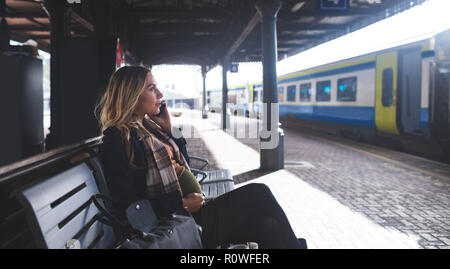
[
  {"x": 38, "y": 37},
  {"x": 308, "y": 27},
  {"x": 180, "y": 28},
  {"x": 28, "y": 28},
  {"x": 198, "y": 13},
  {"x": 26, "y": 15},
  {"x": 81, "y": 21},
  {"x": 286, "y": 38},
  {"x": 243, "y": 36},
  {"x": 289, "y": 17}
]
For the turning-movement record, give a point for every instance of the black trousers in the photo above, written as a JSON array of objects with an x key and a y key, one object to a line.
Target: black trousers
[{"x": 247, "y": 214}]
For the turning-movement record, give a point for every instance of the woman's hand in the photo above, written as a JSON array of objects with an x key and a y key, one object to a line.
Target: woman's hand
[
  {"x": 163, "y": 120},
  {"x": 193, "y": 202}
]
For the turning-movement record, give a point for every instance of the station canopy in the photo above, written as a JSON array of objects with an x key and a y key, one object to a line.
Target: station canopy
[{"x": 199, "y": 31}]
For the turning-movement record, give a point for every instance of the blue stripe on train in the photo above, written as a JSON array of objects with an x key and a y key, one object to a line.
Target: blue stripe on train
[
  {"x": 424, "y": 117},
  {"x": 238, "y": 106},
  {"x": 358, "y": 116}
]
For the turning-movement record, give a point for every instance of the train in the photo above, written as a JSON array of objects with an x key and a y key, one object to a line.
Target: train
[
  {"x": 399, "y": 94},
  {"x": 238, "y": 100}
]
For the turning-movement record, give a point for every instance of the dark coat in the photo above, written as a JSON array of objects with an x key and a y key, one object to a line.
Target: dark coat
[{"x": 127, "y": 184}]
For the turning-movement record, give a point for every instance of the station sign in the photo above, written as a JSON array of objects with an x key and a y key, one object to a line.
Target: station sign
[
  {"x": 234, "y": 68},
  {"x": 333, "y": 5}
]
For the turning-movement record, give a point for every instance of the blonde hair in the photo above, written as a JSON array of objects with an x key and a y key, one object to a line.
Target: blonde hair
[{"x": 119, "y": 101}]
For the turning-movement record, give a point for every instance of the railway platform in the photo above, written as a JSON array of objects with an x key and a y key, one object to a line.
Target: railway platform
[{"x": 338, "y": 194}]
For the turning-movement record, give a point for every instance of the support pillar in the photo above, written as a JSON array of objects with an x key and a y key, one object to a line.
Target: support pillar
[
  {"x": 77, "y": 82},
  {"x": 57, "y": 10},
  {"x": 204, "y": 112},
  {"x": 272, "y": 137},
  {"x": 225, "y": 114},
  {"x": 5, "y": 34}
]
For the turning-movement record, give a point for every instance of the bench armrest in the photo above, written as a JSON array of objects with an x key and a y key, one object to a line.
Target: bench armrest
[
  {"x": 205, "y": 161},
  {"x": 202, "y": 173}
]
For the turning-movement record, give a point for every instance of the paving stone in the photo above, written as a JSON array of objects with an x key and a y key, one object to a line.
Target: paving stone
[
  {"x": 365, "y": 197},
  {"x": 445, "y": 240},
  {"x": 428, "y": 237}
]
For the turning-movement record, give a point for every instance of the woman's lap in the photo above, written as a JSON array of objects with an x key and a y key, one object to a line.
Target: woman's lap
[{"x": 245, "y": 213}]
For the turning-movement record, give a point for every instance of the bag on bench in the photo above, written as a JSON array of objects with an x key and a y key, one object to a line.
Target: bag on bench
[{"x": 147, "y": 232}]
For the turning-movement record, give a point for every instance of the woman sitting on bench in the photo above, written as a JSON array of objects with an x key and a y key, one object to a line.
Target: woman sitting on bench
[{"x": 142, "y": 160}]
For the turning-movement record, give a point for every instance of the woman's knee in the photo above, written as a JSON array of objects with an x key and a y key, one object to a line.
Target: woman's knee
[
  {"x": 257, "y": 187},
  {"x": 260, "y": 190}
]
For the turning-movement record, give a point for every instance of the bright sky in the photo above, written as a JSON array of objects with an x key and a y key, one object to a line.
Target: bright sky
[{"x": 181, "y": 79}]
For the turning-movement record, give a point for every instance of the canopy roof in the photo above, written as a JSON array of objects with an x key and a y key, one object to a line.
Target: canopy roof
[{"x": 198, "y": 31}]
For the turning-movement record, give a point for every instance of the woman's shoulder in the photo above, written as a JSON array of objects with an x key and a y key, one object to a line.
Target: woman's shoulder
[
  {"x": 114, "y": 134},
  {"x": 112, "y": 137},
  {"x": 113, "y": 146}
]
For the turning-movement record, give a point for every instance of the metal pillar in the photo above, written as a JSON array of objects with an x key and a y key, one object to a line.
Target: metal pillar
[
  {"x": 73, "y": 99},
  {"x": 5, "y": 34},
  {"x": 57, "y": 10},
  {"x": 225, "y": 115},
  {"x": 204, "y": 112},
  {"x": 272, "y": 144}
]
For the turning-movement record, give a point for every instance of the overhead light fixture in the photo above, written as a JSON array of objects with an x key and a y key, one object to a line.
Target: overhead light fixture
[{"x": 297, "y": 6}]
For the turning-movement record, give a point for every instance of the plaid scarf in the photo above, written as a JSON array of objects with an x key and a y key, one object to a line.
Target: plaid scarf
[{"x": 161, "y": 175}]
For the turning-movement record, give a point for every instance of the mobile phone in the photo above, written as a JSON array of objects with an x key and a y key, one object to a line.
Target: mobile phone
[{"x": 161, "y": 110}]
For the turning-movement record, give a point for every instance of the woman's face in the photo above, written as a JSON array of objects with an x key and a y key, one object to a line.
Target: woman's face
[{"x": 150, "y": 100}]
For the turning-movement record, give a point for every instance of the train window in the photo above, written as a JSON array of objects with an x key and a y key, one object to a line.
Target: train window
[
  {"x": 346, "y": 89},
  {"x": 280, "y": 94},
  {"x": 255, "y": 95},
  {"x": 323, "y": 91},
  {"x": 305, "y": 92},
  {"x": 388, "y": 81},
  {"x": 232, "y": 99},
  {"x": 291, "y": 92}
]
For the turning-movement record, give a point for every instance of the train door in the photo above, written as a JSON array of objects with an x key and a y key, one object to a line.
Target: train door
[
  {"x": 257, "y": 99},
  {"x": 409, "y": 90},
  {"x": 440, "y": 94},
  {"x": 247, "y": 100},
  {"x": 250, "y": 99},
  {"x": 440, "y": 104},
  {"x": 386, "y": 93},
  {"x": 232, "y": 100}
]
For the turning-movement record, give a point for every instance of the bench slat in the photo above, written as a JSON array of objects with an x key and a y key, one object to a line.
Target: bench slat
[
  {"x": 52, "y": 218},
  {"x": 45, "y": 193},
  {"x": 59, "y": 237},
  {"x": 229, "y": 186},
  {"x": 220, "y": 188},
  {"x": 76, "y": 185},
  {"x": 213, "y": 190}
]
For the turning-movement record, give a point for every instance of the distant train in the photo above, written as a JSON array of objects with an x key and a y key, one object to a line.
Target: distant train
[
  {"x": 402, "y": 91},
  {"x": 238, "y": 100}
]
